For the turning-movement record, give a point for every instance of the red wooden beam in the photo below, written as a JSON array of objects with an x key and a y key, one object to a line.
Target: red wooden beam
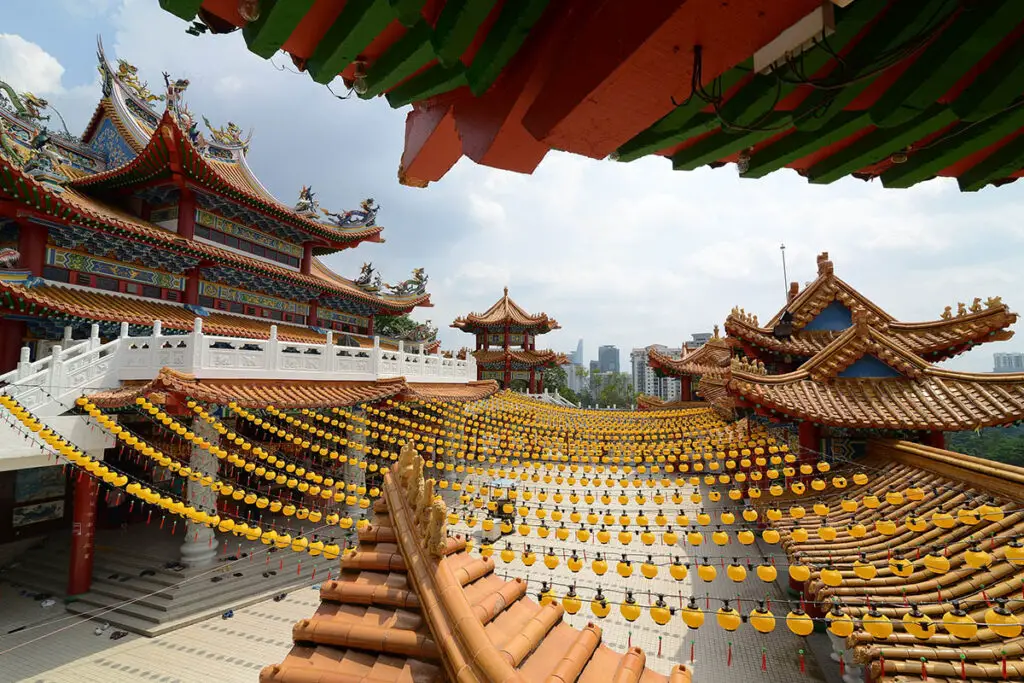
[
  {"x": 431, "y": 145},
  {"x": 630, "y": 59}
]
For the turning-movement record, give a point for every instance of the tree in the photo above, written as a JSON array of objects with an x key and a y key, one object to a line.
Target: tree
[
  {"x": 569, "y": 395},
  {"x": 394, "y": 325},
  {"x": 555, "y": 379},
  {"x": 617, "y": 390},
  {"x": 519, "y": 385},
  {"x": 1001, "y": 444}
]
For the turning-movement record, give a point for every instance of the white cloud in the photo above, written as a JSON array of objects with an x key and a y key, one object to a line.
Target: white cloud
[{"x": 25, "y": 66}]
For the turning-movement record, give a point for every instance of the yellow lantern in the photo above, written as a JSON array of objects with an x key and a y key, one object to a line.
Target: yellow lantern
[
  {"x": 767, "y": 573},
  {"x": 571, "y": 602},
  {"x": 799, "y": 622},
  {"x": 745, "y": 537},
  {"x": 976, "y": 558},
  {"x": 692, "y": 616},
  {"x": 770, "y": 536},
  {"x": 1001, "y": 621},
  {"x": 677, "y": 571},
  {"x": 574, "y": 563},
  {"x": 706, "y": 571},
  {"x": 599, "y": 605},
  {"x": 629, "y": 609},
  {"x": 551, "y": 560},
  {"x": 624, "y": 567},
  {"x": 936, "y": 564},
  {"x": 799, "y": 535},
  {"x": 736, "y": 572},
  {"x": 727, "y": 617},
  {"x": 761, "y": 619},
  {"x": 959, "y": 624},
  {"x": 1015, "y": 553},
  {"x": 918, "y": 624},
  {"x": 830, "y": 576},
  {"x": 799, "y": 572},
  {"x": 648, "y": 569},
  {"x": 599, "y": 566},
  {"x": 877, "y": 625},
  {"x": 864, "y": 569},
  {"x": 839, "y": 623}
]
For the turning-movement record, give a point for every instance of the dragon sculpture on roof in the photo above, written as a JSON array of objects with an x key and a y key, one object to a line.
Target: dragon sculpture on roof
[
  {"x": 307, "y": 204},
  {"x": 417, "y": 284},
  {"x": 26, "y": 105},
  {"x": 230, "y": 135},
  {"x": 369, "y": 280},
  {"x": 128, "y": 75},
  {"x": 424, "y": 332},
  {"x": 364, "y": 216}
]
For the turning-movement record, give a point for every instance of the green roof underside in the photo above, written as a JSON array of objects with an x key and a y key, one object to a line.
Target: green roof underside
[{"x": 903, "y": 90}]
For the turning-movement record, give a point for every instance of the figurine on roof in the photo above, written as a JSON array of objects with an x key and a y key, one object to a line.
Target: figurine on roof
[
  {"x": 424, "y": 332},
  {"x": 368, "y": 280},
  {"x": 307, "y": 203},
  {"x": 7, "y": 148},
  {"x": 364, "y": 216},
  {"x": 128, "y": 75},
  {"x": 26, "y": 105},
  {"x": 175, "y": 90},
  {"x": 230, "y": 135},
  {"x": 417, "y": 284}
]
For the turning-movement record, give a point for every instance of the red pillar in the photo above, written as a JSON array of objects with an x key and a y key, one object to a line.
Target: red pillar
[
  {"x": 12, "y": 336},
  {"x": 540, "y": 383},
  {"x": 533, "y": 379},
  {"x": 935, "y": 439},
  {"x": 83, "y": 530},
  {"x": 187, "y": 213},
  {"x": 685, "y": 390},
  {"x": 192, "y": 287},
  {"x": 32, "y": 247},
  {"x": 810, "y": 441},
  {"x": 306, "y": 265},
  {"x": 370, "y": 325},
  {"x": 312, "y": 317}
]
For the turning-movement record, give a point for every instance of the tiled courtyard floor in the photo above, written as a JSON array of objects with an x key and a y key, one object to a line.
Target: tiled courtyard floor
[{"x": 56, "y": 647}]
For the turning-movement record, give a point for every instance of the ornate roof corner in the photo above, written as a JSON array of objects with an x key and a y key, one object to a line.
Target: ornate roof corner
[{"x": 825, "y": 266}]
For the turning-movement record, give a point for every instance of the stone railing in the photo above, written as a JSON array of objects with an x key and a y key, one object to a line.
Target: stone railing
[{"x": 50, "y": 385}]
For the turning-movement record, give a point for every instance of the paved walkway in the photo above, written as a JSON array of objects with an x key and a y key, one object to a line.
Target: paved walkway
[{"x": 57, "y": 647}]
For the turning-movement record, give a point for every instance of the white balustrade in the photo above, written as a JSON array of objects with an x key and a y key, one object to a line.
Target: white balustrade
[{"x": 49, "y": 385}]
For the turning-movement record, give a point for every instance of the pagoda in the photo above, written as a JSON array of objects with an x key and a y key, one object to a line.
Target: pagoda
[
  {"x": 887, "y": 89},
  {"x": 712, "y": 358},
  {"x": 146, "y": 217},
  {"x": 815, "y": 316},
  {"x": 506, "y": 343}
]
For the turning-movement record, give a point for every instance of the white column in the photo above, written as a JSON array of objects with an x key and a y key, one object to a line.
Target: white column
[{"x": 200, "y": 546}]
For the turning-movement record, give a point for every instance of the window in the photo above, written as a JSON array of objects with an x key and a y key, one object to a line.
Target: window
[
  {"x": 172, "y": 295},
  {"x": 206, "y": 301},
  {"x": 299, "y": 319},
  {"x": 235, "y": 307},
  {"x": 231, "y": 241},
  {"x": 272, "y": 314},
  {"x": 152, "y": 292},
  {"x": 55, "y": 274},
  {"x": 251, "y": 310},
  {"x": 202, "y": 231},
  {"x": 258, "y": 250},
  {"x": 82, "y": 279},
  {"x": 132, "y": 288},
  {"x": 107, "y": 283}
]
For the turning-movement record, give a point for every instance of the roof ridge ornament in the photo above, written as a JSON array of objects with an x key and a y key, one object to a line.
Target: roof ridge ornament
[
  {"x": 825, "y": 266},
  {"x": 363, "y": 217}
]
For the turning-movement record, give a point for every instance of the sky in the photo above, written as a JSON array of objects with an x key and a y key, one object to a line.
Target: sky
[{"x": 624, "y": 254}]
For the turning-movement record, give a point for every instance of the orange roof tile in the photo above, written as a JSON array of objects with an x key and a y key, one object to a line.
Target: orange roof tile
[
  {"x": 506, "y": 312},
  {"x": 413, "y": 602},
  {"x": 530, "y": 358},
  {"x": 920, "y": 397},
  {"x": 291, "y": 394},
  {"x": 950, "y": 482},
  {"x": 712, "y": 358},
  {"x": 935, "y": 340}
]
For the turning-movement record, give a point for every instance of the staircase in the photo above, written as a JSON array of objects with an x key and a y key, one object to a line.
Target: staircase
[{"x": 144, "y": 596}]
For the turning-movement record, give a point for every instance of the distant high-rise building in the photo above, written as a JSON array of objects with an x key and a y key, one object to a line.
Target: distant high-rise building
[
  {"x": 647, "y": 381},
  {"x": 699, "y": 339},
  {"x": 1008, "y": 362},
  {"x": 608, "y": 358},
  {"x": 577, "y": 356}
]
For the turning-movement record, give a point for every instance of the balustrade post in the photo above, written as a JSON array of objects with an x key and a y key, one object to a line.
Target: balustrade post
[
  {"x": 24, "y": 362},
  {"x": 375, "y": 358},
  {"x": 195, "y": 340},
  {"x": 157, "y": 329},
  {"x": 272, "y": 349},
  {"x": 94, "y": 336},
  {"x": 401, "y": 358},
  {"x": 66, "y": 341},
  {"x": 329, "y": 352},
  {"x": 124, "y": 331},
  {"x": 56, "y": 372}
]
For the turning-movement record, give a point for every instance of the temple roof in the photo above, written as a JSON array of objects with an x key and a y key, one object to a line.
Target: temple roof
[
  {"x": 290, "y": 394},
  {"x": 413, "y": 602},
  {"x": 506, "y": 312},
  {"x": 712, "y": 358},
  {"x": 951, "y": 482},
  {"x": 868, "y": 89},
  {"x": 867, "y": 379},
  {"x": 821, "y": 311},
  {"x": 529, "y": 358},
  {"x": 71, "y": 206},
  {"x": 169, "y": 151}
]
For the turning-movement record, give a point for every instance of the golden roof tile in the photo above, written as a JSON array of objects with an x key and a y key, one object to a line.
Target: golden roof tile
[{"x": 506, "y": 312}]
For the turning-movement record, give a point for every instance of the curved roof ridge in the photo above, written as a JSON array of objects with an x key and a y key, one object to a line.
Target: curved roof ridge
[{"x": 505, "y": 310}]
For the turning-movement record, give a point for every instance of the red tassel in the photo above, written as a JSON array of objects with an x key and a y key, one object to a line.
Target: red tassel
[
  {"x": 764, "y": 660},
  {"x": 707, "y": 602},
  {"x": 728, "y": 661},
  {"x": 280, "y": 566},
  {"x": 842, "y": 664},
  {"x": 163, "y": 518},
  {"x": 328, "y": 574},
  {"x": 924, "y": 669},
  {"x": 939, "y": 591},
  {"x": 174, "y": 527},
  {"x": 984, "y": 595},
  {"x": 313, "y": 576},
  {"x": 691, "y": 652},
  {"x": 881, "y": 663},
  {"x": 267, "y": 563},
  {"x": 149, "y": 517},
  {"x": 963, "y": 666},
  {"x": 1005, "y": 676},
  {"x": 803, "y": 666},
  {"x": 298, "y": 569}
]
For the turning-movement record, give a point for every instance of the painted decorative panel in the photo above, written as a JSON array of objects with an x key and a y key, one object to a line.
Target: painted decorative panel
[
  {"x": 338, "y": 316},
  {"x": 111, "y": 146},
  {"x": 87, "y": 263},
  {"x": 220, "y": 224},
  {"x": 216, "y": 291}
]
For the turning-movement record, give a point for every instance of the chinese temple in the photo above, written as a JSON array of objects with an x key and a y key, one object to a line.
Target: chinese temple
[
  {"x": 506, "y": 344},
  {"x": 145, "y": 217},
  {"x": 888, "y": 89},
  {"x": 711, "y": 358}
]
